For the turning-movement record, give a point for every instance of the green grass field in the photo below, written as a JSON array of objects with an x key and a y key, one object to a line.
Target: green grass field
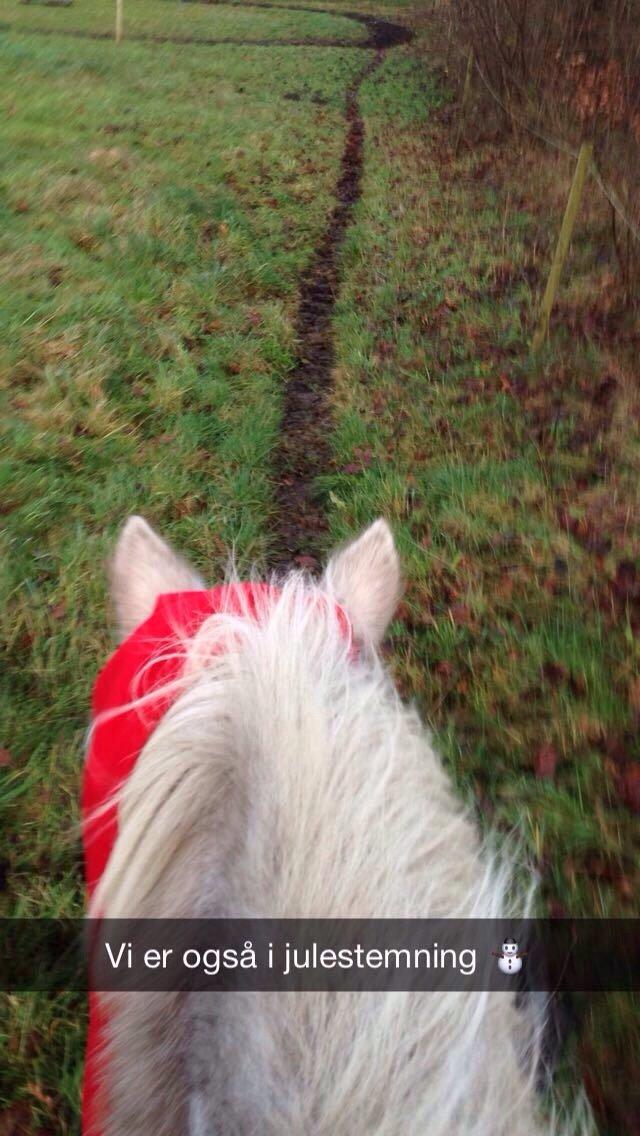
[
  {"x": 169, "y": 18},
  {"x": 158, "y": 205}
]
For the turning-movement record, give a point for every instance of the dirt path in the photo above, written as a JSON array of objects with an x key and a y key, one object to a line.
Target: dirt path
[
  {"x": 303, "y": 452},
  {"x": 304, "y": 449}
]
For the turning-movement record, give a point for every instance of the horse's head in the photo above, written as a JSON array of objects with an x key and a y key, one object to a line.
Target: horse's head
[{"x": 284, "y": 777}]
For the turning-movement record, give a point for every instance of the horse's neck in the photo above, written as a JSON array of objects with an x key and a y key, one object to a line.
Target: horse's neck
[{"x": 271, "y": 771}]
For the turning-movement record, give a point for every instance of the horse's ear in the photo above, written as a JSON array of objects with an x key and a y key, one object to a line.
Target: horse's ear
[
  {"x": 365, "y": 578},
  {"x": 144, "y": 567}
]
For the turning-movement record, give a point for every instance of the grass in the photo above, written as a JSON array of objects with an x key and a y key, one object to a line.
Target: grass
[
  {"x": 158, "y": 206},
  {"x": 152, "y": 243},
  {"x": 163, "y": 18},
  {"x": 512, "y": 486},
  {"x": 436, "y": 426}
]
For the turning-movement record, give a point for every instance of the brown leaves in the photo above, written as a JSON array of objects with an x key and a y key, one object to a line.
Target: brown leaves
[
  {"x": 44, "y": 1098},
  {"x": 557, "y": 675},
  {"x": 84, "y": 240},
  {"x": 629, "y": 787},
  {"x": 363, "y": 461},
  {"x": 625, "y": 585},
  {"x": 599, "y": 91},
  {"x": 59, "y": 350},
  {"x": 623, "y": 769},
  {"x": 634, "y": 697},
  {"x": 16, "y": 1120},
  {"x": 554, "y": 673},
  {"x": 461, "y": 615},
  {"x": 191, "y": 505},
  {"x": 309, "y": 562},
  {"x": 211, "y": 326},
  {"x": 584, "y": 532},
  {"x": 545, "y": 761},
  {"x": 5, "y": 758}
]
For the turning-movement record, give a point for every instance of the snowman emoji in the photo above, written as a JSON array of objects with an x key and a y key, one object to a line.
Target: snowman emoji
[{"x": 509, "y": 958}]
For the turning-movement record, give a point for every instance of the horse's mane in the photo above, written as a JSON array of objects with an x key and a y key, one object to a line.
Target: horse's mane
[{"x": 279, "y": 717}]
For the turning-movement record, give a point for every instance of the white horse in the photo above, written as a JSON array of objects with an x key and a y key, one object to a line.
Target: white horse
[{"x": 287, "y": 779}]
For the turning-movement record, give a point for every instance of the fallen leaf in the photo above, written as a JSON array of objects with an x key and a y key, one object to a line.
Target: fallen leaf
[
  {"x": 557, "y": 910},
  {"x": 37, "y": 1092},
  {"x": 617, "y": 749},
  {"x": 546, "y": 760},
  {"x": 626, "y": 577},
  {"x": 629, "y": 786},
  {"x": 578, "y": 685},
  {"x": 624, "y": 887},
  {"x": 16, "y": 1120},
  {"x": 404, "y": 613},
  {"x": 5, "y": 757},
  {"x": 364, "y": 456},
  {"x": 554, "y": 673},
  {"x": 461, "y": 615},
  {"x": 306, "y": 562},
  {"x": 84, "y": 240},
  {"x": 634, "y": 695}
]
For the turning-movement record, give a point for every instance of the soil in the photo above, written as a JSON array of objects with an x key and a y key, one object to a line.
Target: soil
[{"x": 304, "y": 450}]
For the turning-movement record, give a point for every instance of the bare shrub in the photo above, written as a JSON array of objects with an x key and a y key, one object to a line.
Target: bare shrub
[{"x": 568, "y": 71}]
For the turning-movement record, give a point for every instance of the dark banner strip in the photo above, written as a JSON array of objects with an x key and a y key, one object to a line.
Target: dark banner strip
[{"x": 320, "y": 954}]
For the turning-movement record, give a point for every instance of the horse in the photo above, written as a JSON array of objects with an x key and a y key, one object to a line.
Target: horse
[{"x": 283, "y": 776}]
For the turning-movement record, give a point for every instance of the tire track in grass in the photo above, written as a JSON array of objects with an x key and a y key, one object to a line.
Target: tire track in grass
[{"x": 303, "y": 451}]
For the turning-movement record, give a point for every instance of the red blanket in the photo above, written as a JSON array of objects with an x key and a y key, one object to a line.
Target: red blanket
[{"x": 149, "y": 658}]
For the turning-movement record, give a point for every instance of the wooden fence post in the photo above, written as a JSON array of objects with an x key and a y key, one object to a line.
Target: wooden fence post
[
  {"x": 466, "y": 94},
  {"x": 118, "y": 21},
  {"x": 562, "y": 247}
]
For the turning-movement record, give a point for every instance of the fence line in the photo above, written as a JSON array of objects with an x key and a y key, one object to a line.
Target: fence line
[{"x": 608, "y": 191}]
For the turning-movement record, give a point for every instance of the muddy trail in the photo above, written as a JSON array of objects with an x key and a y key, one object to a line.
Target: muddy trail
[
  {"x": 304, "y": 449},
  {"x": 303, "y": 452}
]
